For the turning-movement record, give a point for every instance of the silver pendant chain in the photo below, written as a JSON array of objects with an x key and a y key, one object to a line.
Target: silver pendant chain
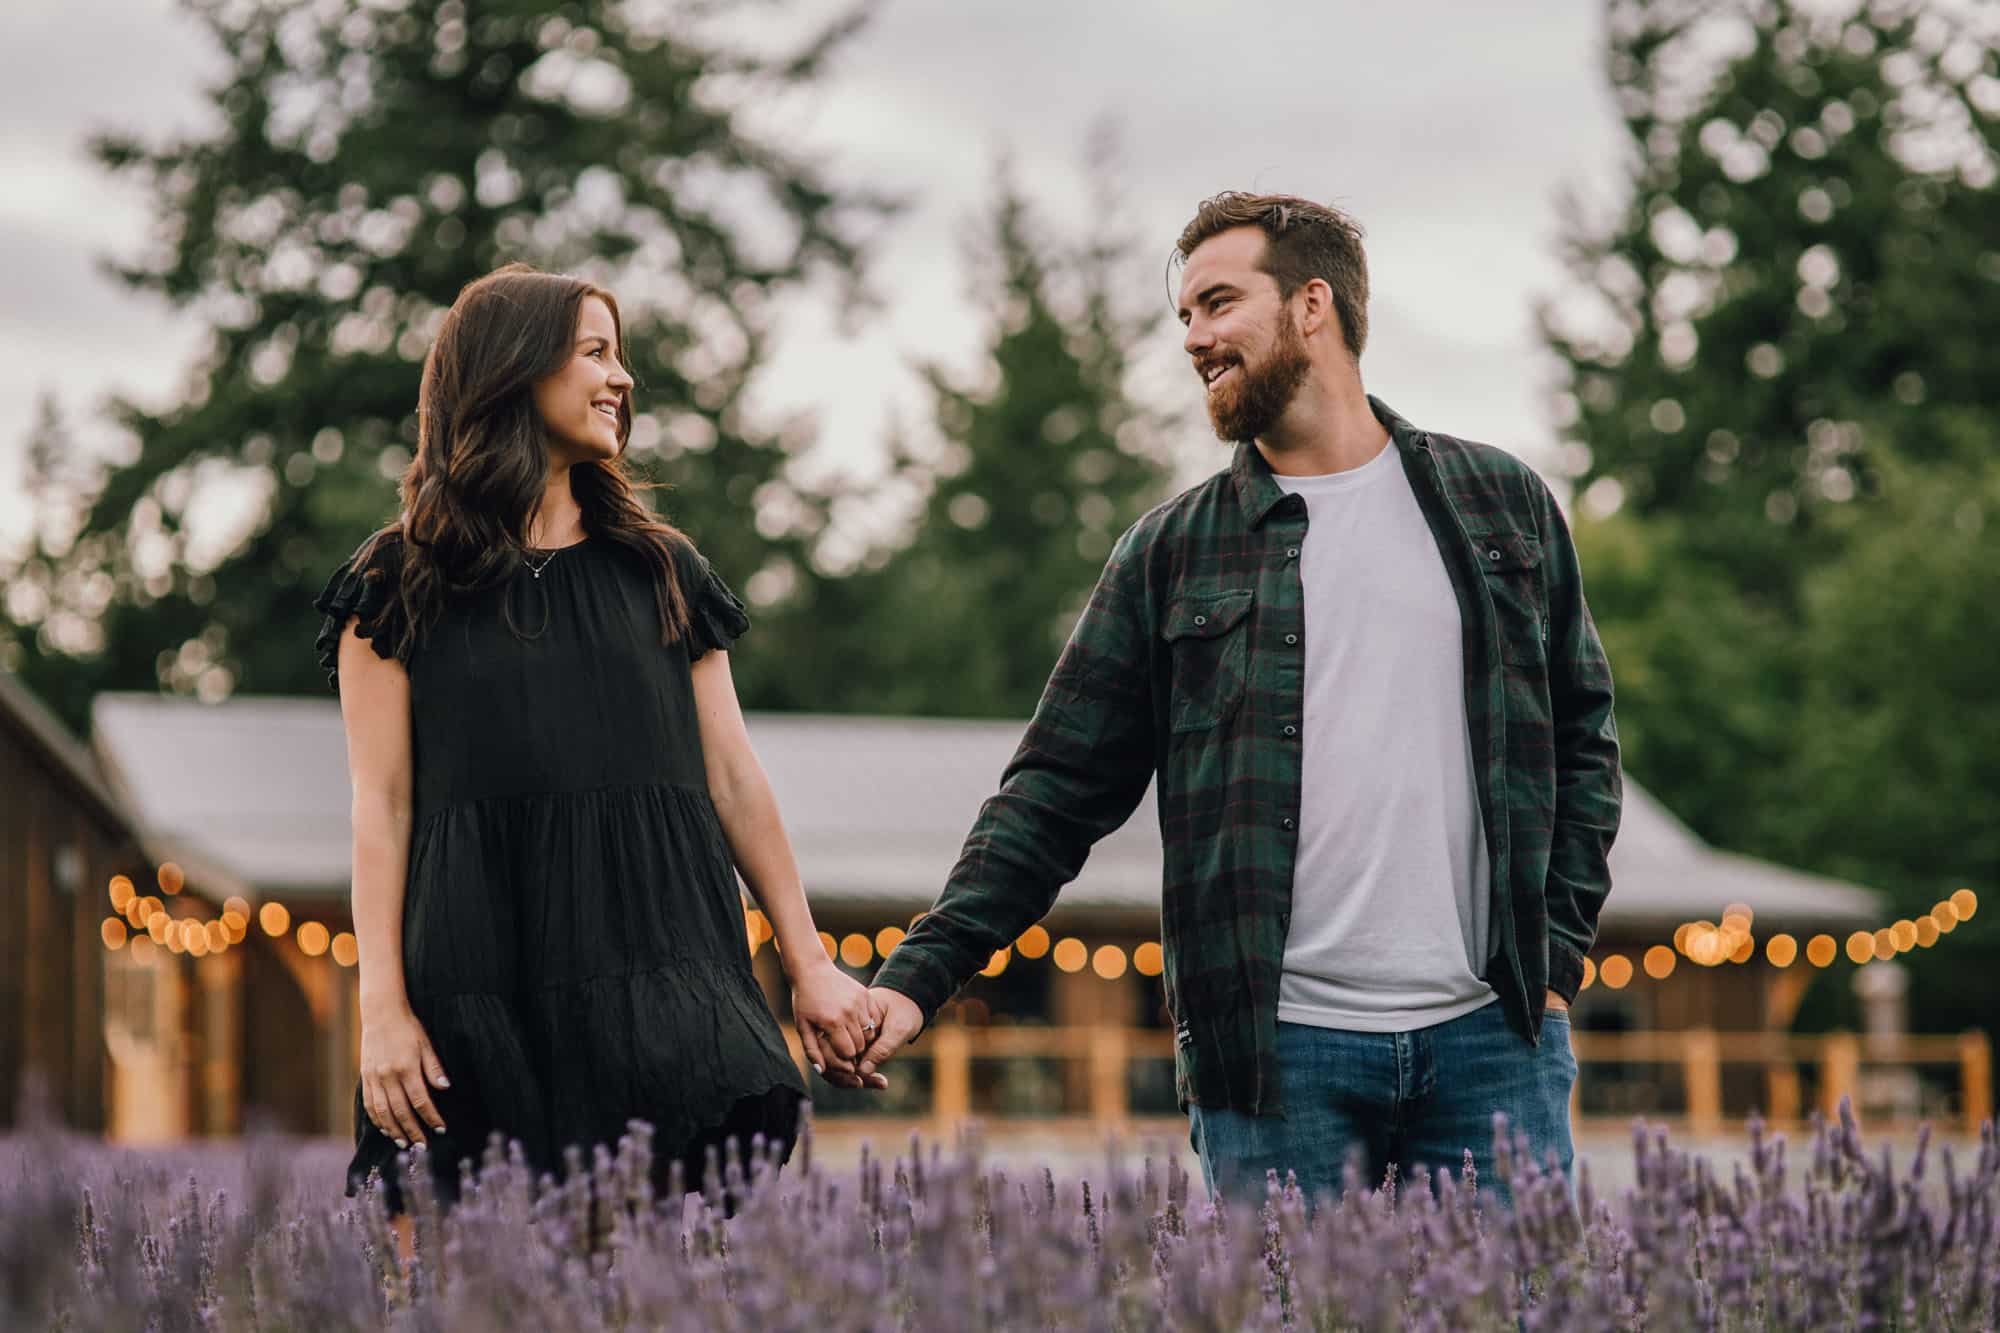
[{"x": 536, "y": 569}]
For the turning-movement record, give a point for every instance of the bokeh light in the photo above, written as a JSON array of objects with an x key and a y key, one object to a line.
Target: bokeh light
[
  {"x": 143, "y": 948},
  {"x": 887, "y": 938},
  {"x": 830, "y": 944},
  {"x": 275, "y": 919},
  {"x": 1108, "y": 962},
  {"x": 218, "y": 936},
  {"x": 1589, "y": 973},
  {"x": 240, "y": 906},
  {"x": 122, "y": 893},
  {"x": 1659, "y": 962},
  {"x": 1616, "y": 971},
  {"x": 1781, "y": 950},
  {"x": 1860, "y": 947},
  {"x": 997, "y": 963},
  {"x": 1071, "y": 954},
  {"x": 113, "y": 932},
  {"x": 194, "y": 938},
  {"x": 1148, "y": 960},
  {"x": 313, "y": 939},
  {"x": 1965, "y": 902},
  {"x": 346, "y": 949},
  {"x": 1885, "y": 943},
  {"x": 857, "y": 950},
  {"x": 1905, "y": 933},
  {"x": 1745, "y": 949},
  {"x": 1821, "y": 950},
  {"x": 172, "y": 880},
  {"x": 1034, "y": 942},
  {"x": 1927, "y": 932}
]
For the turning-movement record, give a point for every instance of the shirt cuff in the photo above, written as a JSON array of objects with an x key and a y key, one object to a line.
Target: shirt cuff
[{"x": 1565, "y": 970}]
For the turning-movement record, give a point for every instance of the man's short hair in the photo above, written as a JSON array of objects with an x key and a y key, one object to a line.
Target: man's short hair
[{"x": 1303, "y": 241}]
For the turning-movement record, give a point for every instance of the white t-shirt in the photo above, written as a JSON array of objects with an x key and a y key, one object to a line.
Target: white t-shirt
[{"x": 1390, "y": 895}]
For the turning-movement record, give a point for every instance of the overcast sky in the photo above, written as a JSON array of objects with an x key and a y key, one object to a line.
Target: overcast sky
[{"x": 1446, "y": 128}]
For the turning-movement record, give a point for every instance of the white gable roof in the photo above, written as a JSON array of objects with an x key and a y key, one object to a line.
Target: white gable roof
[{"x": 876, "y": 807}]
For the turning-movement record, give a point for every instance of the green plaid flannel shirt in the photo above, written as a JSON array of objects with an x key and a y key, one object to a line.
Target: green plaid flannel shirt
[{"x": 1189, "y": 661}]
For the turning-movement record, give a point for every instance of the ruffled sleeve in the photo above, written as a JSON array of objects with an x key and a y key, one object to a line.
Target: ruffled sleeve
[
  {"x": 363, "y": 590},
  {"x": 716, "y": 618}
]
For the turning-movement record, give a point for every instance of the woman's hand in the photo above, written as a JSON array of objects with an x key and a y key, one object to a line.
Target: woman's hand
[
  {"x": 836, "y": 1017},
  {"x": 398, "y": 1069}
]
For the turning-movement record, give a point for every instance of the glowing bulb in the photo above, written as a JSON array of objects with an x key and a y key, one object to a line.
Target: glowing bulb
[
  {"x": 313, "y": 939},
  {"x": 1659, "y": 962},
  {"x": 113, "y": 932},
  {"x": 1927, "y": 932},
  {"x": 1148, "y": 960},
  {"x": 1860, "y": 947},
  {"x": 1781, "y": 950},
  {"x": 346, "y": 949},
  {"x": 172, "y": 880},
  {"x": 122, "y": 892},
  {"x": 1885, "y": 943},
  {"x": 1071, "y": 954},
  {"x": 997, "y": 964},
  {"x": 1905, "y": 934},
  {"x": 1820, "y": 950},
  {"x": 274, "y": 919},
  {"x": 1034, "y": 942},
  {"x": 1108, "y": 962},
  {"x": 1589, "y": 973},
  {"x": 887, "y": 938},
  {"x": 1616, "y": 971},
  {"x": 828, "y": 943},
  {"x": 857, "y": 951},
  {"x": 1965, "y": 902},
  {"x": 1745, "y": 950},
  {"x": 218, "y": 936}
]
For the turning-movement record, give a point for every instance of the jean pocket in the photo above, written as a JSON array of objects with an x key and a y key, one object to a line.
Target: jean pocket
[{"x": 1210, "y": 641}]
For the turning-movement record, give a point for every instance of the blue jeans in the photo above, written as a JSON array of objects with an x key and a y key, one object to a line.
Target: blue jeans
[{"x": 1416, "y": 1101}]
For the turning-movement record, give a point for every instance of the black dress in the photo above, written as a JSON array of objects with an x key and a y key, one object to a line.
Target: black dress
[{"x": 573, "y": 937}]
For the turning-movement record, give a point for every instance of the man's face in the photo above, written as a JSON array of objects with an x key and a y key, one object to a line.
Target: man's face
[{"x": 1241, "y": 337}]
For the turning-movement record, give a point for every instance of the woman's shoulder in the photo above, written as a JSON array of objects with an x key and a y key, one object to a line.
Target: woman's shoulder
[{"x": 365, "y": 590}]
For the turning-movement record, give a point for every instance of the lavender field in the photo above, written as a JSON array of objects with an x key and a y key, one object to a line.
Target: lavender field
[{"x": 1824, "y": 1233}]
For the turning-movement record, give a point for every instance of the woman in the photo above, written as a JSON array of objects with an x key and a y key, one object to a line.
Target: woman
[{"x": 553, "y": 788}]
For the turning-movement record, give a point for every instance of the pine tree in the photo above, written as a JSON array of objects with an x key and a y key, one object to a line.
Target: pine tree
[
  {"x": 1037, "y": 464},
  {"x": 1796, "y": 300},
  {"x": 367, "y": 161}
]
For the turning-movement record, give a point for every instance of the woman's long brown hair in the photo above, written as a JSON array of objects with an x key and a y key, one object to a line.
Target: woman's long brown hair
[{"x": 482, "y": 463}]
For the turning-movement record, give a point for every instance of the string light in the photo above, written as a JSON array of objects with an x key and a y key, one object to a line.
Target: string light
[
  {"x": 122, "y": 893},
  {"x": 1616, "y": 971},
  {"x": 887, "y": 938},
  {"x": 997, "y": 964},
  {"x": 1148, "y": 960},
  {"x": 1659, "y": 962},
  {"x": 828, "y": 943},
  {"x": 857, "y": 951},
  {"x": 346, "y": 949},
  {"x": 1108, "y": 962},
  {"x": 113, "y": 932},
  {"x": 1781, "y": 950},
  {"x": 275, "y": 920},
  {"x": 313, "y": 939},
  {"x": 172, "y": 879},
  {"x": 1821, "y": 950},
  {"x": 1034, "y": 942},
  {"x": 1071, "y": 954}
]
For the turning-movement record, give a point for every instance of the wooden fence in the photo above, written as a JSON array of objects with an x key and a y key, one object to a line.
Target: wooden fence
[{"x": 1105, "y": 1055}]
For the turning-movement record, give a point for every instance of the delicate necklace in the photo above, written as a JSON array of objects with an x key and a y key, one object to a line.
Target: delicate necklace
[{"x": 536, "y": 569}]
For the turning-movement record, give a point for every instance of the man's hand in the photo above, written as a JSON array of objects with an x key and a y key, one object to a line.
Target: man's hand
[{"x": 1555, "y": 1003}]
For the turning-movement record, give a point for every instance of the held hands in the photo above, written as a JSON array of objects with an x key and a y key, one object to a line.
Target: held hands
[
  {"x": 837, "y": 1018},
  {"x": 398, "y": 1069},
  {"x": 900, "y": 1021}
]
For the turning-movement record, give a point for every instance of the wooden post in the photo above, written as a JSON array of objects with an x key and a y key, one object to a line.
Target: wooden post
[
  {"x": 1975, "y": 1079},
  {"x": 1839, "y": 1072},
  {"x": 1108, "y": 1103},
  {"x": 1701, "y": 1071},
  {"x": 1781, "y": 1083},
  {"x": 951, "y": 1075}
]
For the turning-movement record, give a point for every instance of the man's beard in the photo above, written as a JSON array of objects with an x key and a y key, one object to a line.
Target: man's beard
[{"x": 1256, "y": 403}]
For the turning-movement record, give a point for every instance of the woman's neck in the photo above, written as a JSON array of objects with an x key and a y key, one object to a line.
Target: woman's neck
[{"x": 558, "y": 519}]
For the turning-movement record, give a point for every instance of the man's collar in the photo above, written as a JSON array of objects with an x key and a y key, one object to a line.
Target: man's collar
[{"x": 1258, "y": 491}]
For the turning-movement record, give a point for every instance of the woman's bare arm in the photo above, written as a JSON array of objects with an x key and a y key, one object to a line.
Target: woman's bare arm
[
  {"x": 396, "y": 1058},
  {"x": 824, "y": 999}
]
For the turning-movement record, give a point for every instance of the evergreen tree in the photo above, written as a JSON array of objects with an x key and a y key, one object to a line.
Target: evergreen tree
[
  {"x": 367, "y": 161},
  {"x": 1800, "y": 288},
  {"x": 1037, "y": 464}
]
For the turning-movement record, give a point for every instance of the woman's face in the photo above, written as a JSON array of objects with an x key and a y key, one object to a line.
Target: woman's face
[{"x": 580, "y": 404}]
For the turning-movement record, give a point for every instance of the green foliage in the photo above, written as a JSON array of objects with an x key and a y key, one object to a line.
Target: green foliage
[
  {"x": 364, "y": 163},
  {"x": 1036, "y": 468},
  {"x": 1789, "y": 385}
]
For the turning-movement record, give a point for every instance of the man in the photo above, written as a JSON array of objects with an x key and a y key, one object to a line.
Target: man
[{"x": 1360, "y": 662}]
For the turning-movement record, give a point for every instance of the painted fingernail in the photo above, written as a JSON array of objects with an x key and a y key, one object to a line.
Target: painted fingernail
[
  {"x": 403, "y": 1144},
  {"x": 820, "y": 1070},
  {"x": 443, "y": 1082}
]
